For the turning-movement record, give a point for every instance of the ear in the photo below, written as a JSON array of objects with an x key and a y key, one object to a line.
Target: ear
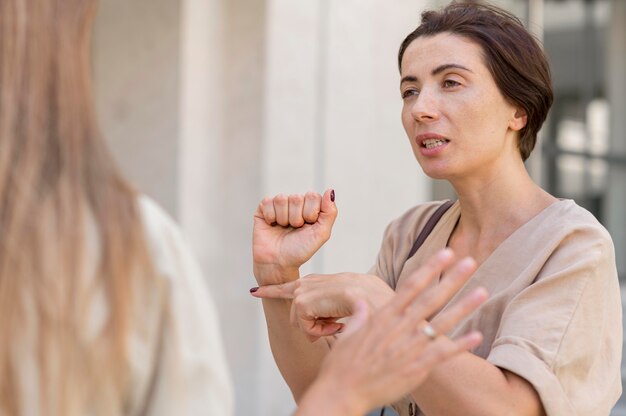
[{"x": 519, "y": 120}]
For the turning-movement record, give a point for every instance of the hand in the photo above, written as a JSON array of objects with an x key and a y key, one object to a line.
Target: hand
[
  {"x": 288, "y": 231},
  {"x": 383, "y": 357},
  {"x": 320, "y": 300}
]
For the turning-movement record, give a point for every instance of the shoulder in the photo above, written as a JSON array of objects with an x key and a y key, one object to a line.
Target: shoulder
[
  {"x": 414, "y": 218},
  {"x": 570, "y": 225},
  {"x": 401, "y": 233},
  {"x": 155, "y": 220},
  {"x": 576, "y": 246},
  {"x": 168, "y": 250}
]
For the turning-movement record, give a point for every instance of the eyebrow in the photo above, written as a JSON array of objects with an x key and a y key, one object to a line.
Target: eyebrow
[{"x": 439, "y": 69}]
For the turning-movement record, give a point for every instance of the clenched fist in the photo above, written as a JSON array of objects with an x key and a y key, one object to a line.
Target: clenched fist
[{"x": 288, "y": 230}]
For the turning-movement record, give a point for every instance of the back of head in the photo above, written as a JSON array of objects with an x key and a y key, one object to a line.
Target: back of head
[
  {"x": 514, "y": 58},
  {"x": 70, "y": 225}
]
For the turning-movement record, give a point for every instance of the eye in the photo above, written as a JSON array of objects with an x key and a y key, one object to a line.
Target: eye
[
  {"x": 409, "y": 92},
  {"x": 450, "y": 83}
]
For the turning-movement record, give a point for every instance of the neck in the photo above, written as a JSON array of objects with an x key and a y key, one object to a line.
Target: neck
[{"x": 506, "y": 197}]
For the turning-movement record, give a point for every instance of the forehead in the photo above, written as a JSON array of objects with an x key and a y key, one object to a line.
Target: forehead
[{"x": 428, "y": 52}]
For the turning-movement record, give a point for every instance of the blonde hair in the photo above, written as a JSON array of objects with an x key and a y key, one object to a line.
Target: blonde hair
[{"x": 59, "y": 192}]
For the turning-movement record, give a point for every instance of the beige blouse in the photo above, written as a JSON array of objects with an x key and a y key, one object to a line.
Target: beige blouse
[{"x": 554, "y": 312}]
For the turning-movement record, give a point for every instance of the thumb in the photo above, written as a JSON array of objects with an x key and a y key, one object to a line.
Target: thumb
[
  {"x": 359, "y": 318},
  {"x": 328, "y": 209}
]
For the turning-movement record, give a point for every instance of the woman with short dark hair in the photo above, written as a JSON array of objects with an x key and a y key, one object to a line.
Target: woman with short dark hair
[{"x": 476, "y": 89}]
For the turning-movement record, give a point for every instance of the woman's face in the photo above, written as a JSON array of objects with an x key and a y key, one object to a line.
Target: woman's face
[{"x": 456, "y": 119}]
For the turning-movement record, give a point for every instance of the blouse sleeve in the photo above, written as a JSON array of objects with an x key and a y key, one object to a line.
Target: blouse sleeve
[
  {"x": 190, "y": 375},
  {"x": 563, "y": 333},
  {"x": 383, "y": 267}
]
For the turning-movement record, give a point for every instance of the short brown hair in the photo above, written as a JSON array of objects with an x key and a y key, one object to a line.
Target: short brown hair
[{"x": 514, "y": 58}]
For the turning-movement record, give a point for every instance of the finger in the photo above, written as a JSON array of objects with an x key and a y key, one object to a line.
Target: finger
[
  {"x": 312, "y": 207},
  {"x": 266, "y": 209},
  {"x": 469, "y": 341},
  {"x": 282, "y": 291},
  {"x": 415, "y": 284},
  {"x": 358, "y": 319},
  {"x": 444, "y": 348},
  {"x": 328, "y": 212},
  {"x": 296, "y": 205},
  {"x": 438, "y": 296},
  {"x": 323, "y": 328},
  {"x": 281, "y": 207},
  {"x": 459, "y": 311}
]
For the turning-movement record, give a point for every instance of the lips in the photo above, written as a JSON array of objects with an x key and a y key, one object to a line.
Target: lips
[{"x": 431, "y": 140}]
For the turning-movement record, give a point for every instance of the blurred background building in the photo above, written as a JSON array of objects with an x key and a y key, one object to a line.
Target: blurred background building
[{"x": 211, "y": 104}]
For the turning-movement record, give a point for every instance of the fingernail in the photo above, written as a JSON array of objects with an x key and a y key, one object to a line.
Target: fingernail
[
  {"x": 332, "y": 195},
  {"x": 254, "y": 289},
  {"x": 468, "y": 264},
  {"x": 480, "y": 293},
  {"x": 445, "y": 254}
]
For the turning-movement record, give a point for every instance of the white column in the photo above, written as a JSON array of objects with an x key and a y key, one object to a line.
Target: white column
[
  {"x": 201, "y": 128},
  {"x": 136, "y": 75},
  {"x": 332, "y": 119},
  {"x": 289, "y": 141},
  {"x": 222, "y": 88},
  {"x": 369, "y": 160},
  {"x": 355, "y": 113}
]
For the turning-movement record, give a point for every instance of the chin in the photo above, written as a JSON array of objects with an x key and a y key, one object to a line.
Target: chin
[
  {"x": 436, "y": 172},
  {"x": 437, "y": 176}
]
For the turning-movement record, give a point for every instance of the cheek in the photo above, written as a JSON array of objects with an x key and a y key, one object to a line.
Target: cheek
[{"x": 480, "y": 118}]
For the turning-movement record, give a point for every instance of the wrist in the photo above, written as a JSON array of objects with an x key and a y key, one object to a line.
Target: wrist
[
  {"x": 326, "y": 398},
  {"x": 272, "y": 274}
]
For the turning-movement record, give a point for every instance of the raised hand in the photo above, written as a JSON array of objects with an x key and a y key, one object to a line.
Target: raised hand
[
  {"x": 288, "y": 230},
  {"x": 319, "y": 300}
]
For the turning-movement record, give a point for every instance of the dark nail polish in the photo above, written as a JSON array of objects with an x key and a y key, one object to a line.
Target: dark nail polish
[
  {"x": 254, "y": 289},
  {"x": 332, "y": 195}
]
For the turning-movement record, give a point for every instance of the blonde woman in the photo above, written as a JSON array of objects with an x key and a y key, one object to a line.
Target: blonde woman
[{"x": 104, "y": 311}]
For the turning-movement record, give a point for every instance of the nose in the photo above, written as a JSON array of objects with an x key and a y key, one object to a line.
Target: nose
[{"x": 424, "y": 108}]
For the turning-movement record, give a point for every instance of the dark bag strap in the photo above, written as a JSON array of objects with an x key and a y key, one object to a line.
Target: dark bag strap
[{"x": 428, "y": 228}]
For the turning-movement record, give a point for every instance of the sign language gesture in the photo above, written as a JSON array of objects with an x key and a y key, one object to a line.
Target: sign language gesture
[
  {"x": 288, "y": 230},
  {"x": 320, "y": 300},
  {"x": 383, "y": 355}
]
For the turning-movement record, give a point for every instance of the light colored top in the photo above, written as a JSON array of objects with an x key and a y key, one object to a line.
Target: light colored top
[
  {"x": 183, "y": 370},
  {"x": 554, "y": 312},
  {"x": 178, "y": 366}
]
